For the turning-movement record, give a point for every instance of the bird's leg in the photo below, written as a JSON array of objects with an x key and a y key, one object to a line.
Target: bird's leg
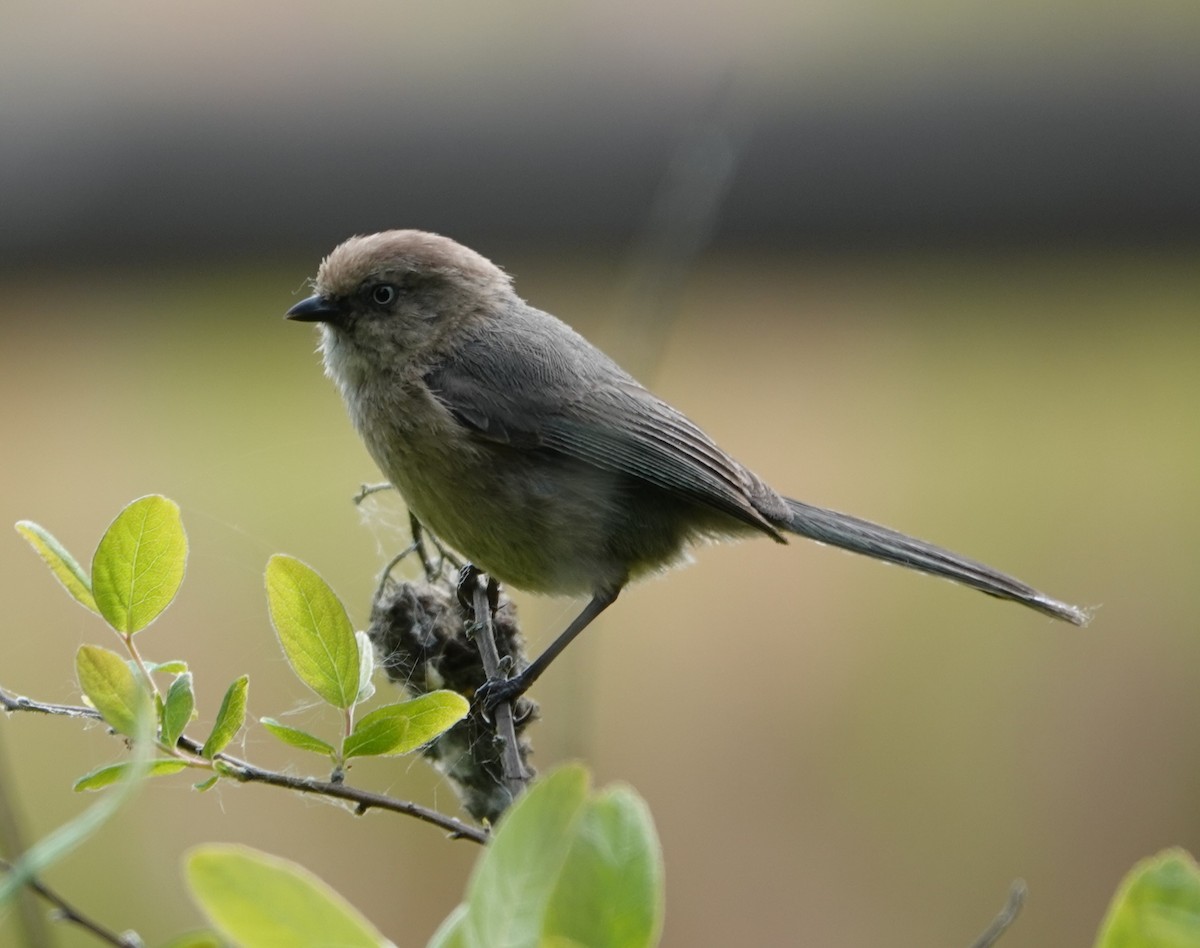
[{"x": 495, "y": 691}]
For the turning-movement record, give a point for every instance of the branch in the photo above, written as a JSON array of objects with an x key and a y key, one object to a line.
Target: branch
[
  {"x": 68, "y": 913},
  {"x": 1002, "y": 922},
  {"x": 21, "y": 703},
  {"x": 516, "y": 778},
  {"x": 245, "y": 772}
]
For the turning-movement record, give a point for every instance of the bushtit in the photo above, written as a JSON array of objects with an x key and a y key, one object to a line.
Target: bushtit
[{"x": 532, "y": 453}]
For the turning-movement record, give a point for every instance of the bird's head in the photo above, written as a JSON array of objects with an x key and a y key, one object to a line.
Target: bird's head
[{"x": 399, "y": 296}]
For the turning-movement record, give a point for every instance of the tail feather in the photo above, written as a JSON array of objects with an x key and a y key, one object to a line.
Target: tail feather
[{"x": 870, "y": 539}]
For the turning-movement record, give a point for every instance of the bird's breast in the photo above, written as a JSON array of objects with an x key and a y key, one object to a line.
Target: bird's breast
[{"x": 536, "y": 522}]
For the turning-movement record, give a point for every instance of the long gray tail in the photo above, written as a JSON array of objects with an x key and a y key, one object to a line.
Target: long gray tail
[{"x": 862, "y": 536}]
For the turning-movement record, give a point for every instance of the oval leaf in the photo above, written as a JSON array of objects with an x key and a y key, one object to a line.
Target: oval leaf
[
  {"x": 139, "y": 563},
  {"x": 111, "y": 688},
  {"x": 176, "y": 666},
  {"x": 62, "y": 564},
  {"x": 257, "y": 900},
  {"x": 610, "y": 890},
  {"x": 366, "y": 667},
  {"x": 230, "y": 718},
  {"x": 296, "y": 737},
  {"x": 514, "y": 880},
  {"x": 401, "y": 728},
  {"x": 103, "y": 776},
  {"x": 314, "y": 630},
  {"x": 1158, "y": 904},
  {"x": 177, "y": 711}
]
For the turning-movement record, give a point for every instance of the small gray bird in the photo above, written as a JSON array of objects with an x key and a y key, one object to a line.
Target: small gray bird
[{"x": 536, "y": 456}]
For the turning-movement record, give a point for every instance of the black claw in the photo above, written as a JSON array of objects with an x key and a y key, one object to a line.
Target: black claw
[
  {"x": 496, "y": 691},
  {"x": 466, "y": 587}
]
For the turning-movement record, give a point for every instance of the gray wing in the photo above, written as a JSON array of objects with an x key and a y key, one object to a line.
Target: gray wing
[{"x": 543, "y": 387}]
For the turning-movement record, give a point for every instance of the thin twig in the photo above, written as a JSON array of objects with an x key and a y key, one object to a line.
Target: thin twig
[
  {"x": 420, "y": 535},
  {"x": 21, "y": 703},
  {"x": 386, "y": 576},
  {"x": 366, "y": 490},
  {"x": 432, "y": 572},
  {"x": 245, "y": 772},
  {"x": 68, "y": 913},
  {"x": 515, "y": 776},
  {"x": 1008, "y": 915}
]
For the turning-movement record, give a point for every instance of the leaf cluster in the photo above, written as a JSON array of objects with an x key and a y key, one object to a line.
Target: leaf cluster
[
  {"x": 137, "y": 571},
  {"x": 566, "y": 866}
]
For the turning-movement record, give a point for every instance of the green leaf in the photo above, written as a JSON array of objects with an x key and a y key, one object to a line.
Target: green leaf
[
  {"x": 206, "y": 784},
  {"x": 230, "y": 718},
  {"x": 314, "y": 630},
  {"x": 176, "y": 666},
  {"x": 262, "y": 901},
  {"x": 177, "y": 711},
  {"x": 1157, "y": 904},
  {"x": 111, "y": 688},
  {"x": 296, "y": 737},
  {"x": 610, "y": 890},
  {"x": 514, "y": 880},
  {"x": 62, "y": 564},
  {"x": 139, "y": 563},
  {"x": 366, "y": 667},
  {"x": 565, "y": 869},
  {"x": 401, "y": 728},
  {"x": 103, "y": 776}
]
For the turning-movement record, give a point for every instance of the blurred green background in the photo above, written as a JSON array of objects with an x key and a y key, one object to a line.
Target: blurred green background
[{"x": 933, "y": 265}]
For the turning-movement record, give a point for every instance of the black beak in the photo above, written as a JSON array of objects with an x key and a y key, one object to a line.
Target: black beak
[{"x": 315, "y": 309}]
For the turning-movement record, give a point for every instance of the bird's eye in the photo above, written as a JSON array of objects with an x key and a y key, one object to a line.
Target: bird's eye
[{"x": 384, "y": 294}]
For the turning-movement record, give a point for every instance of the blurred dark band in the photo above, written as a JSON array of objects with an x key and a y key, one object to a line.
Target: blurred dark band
[{"x": 1105, "y": 160}]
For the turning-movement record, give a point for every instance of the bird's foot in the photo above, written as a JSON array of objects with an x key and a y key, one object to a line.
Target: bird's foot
[{"x": 496, "y": 691}]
